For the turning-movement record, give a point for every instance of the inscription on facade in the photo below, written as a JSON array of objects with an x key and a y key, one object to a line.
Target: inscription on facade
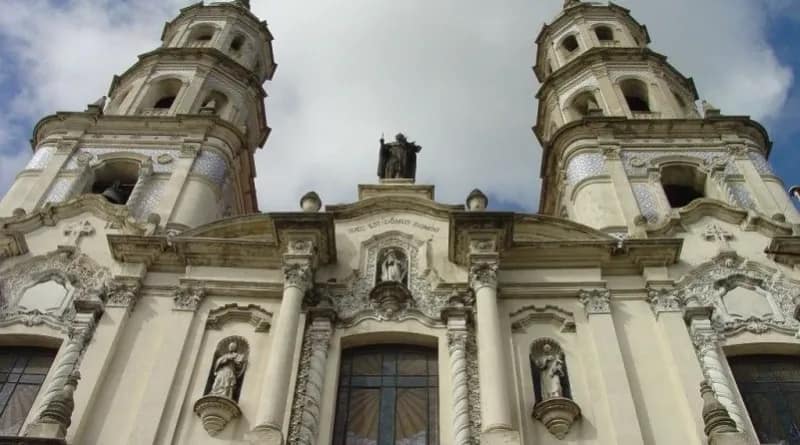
[{"x": 393, "y": 221}]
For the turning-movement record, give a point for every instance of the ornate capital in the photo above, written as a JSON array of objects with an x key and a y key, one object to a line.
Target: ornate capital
[
  {"x": 705, "y": 340},
  {"x": 596, "y": 301},
  {"x": 81, "y": 329},
  {"x": 188, "y": 299},
  {"x": 122, "y": 294},
  {"x": 664, "y": 300},
  {"x": 297, "y": 274},
  {"x": 483, "y": 274}
]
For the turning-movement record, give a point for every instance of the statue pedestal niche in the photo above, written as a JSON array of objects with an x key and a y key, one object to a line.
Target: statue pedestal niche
[
  {"x": 557, "y": 414},
  {"x": 216, "y": 412}
]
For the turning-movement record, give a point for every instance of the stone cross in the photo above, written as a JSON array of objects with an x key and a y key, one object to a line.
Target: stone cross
[
  {"x": 713, "y": 232},
  {"x": 76, "y": 231}
]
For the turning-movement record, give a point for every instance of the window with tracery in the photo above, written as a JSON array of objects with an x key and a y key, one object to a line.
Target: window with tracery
[
  {"x": 22, "y": 372},
  {"x": 770, "y": 388},
  {"x": 388, "y": 395}
]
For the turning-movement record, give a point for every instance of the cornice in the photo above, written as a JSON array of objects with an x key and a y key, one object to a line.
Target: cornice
[
  {"x": 390, "y": 203},
  {"x": 51, "y": 213},
  {"x": 251, "y": 241},
  {"x": 465, "y": 225},
  {"x": 784, "y": 250}
]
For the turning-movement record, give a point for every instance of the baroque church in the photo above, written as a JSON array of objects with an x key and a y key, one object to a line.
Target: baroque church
[{"x": 653, "y": 299}]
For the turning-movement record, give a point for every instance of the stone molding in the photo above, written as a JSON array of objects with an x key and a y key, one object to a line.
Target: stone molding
[
  {"x": 253, "y": 314},
  {"x": 526, "y": 316},
  {"x": 595, "y": 301}
]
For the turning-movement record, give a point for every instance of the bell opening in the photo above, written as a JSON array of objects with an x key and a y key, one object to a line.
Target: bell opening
[{"x": 115, "y": 181}]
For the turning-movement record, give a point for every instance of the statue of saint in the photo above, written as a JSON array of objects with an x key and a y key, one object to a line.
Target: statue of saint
[
  {"x": 228, "y": 369},
  {"x": 398, "y": 159},
  {"x": 551, "y": 368},
  {"x": 393, "y": 267}
]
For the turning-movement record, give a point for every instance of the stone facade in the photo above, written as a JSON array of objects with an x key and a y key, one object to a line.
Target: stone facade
[{"x": 192, "y": 319}]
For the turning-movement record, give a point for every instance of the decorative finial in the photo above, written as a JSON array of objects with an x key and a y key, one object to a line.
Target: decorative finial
[
  {"x": 97, "y": 106},
  {"x": 243, "y": 3},
  {"x": 710, "y": 110},
  {"x": 310, "y": 202},
  {"x": 477, "y": 201},
  {"x": 571, "y": 3}
]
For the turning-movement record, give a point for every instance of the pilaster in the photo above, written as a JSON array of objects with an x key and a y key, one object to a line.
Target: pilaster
[
  {"x": 456, "y": 315},
  {"x": 624, "y": 191},
  {"x": 755, "y": 183},
  {"x": 617, "y": 400}
]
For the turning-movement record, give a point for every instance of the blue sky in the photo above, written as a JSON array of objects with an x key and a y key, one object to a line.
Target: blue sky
[{"x": 452, "y": 74}]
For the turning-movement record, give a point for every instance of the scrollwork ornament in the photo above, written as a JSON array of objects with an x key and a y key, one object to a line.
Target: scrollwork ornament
[{"x": 596, "y": 301}]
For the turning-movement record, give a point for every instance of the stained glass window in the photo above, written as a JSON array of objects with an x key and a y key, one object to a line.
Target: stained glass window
[
  {"x": 22, "y": 371},
  {"x": 770, "y": 387},
  {"x": 388, "y": 395}
]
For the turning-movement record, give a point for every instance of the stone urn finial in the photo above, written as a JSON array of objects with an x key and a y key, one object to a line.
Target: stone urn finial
[
  {"x": 310, "y": 202},
  {"x": 477, "y": 201}
]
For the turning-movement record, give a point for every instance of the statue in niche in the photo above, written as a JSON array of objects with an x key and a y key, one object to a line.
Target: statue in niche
[
  {"x": 551, "y": 371},
  {"x": 393, "y": 266},
  {"x": 398, "y": 159},
  {"x": 229, "y": 367}
]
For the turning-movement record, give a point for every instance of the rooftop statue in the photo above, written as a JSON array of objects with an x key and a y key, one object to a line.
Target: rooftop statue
[{"x": 398, "y": 159}]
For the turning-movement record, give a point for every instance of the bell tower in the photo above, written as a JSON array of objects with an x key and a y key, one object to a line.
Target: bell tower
[
  {"x": 625, "y": 149},
  {"x": 174, "y": 141}
]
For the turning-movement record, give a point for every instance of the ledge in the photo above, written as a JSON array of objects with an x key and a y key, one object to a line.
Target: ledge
[{"x": 19, "y": 440}]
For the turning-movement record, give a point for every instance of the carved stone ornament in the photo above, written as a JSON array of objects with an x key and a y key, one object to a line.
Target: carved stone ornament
[
  {"x": 745, "y": 295},
  {"x": 557, "y": 414},
  {"x": 596, "y": 301},
  {"x": 297, "y": 274},
  {"x": 390, "y": 299},
  {"x": 483, "y": 274},
  {"x": 664, "y": 300},
  {"x": 187, "y": 299},
  {"x": 352, "y": 301},
  {"x": 253, "y": 314},
  {"x": 715, "y": 416},
  {"x": 122, "y": 294},
  {"x": 46, "y": 289},
  {"x": 216, "y": 412},
  {"x": 75, "y": 231}
]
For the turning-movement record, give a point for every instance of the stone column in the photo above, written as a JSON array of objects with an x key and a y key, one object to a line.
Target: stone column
[
  {"x": 304, "y": 426},
  {"x": 495, "y": 392},
  {"x": 624, "y": 191},
  {"x": 456, "y": 317},
  {"x": 622, "y": 419},
  {"x": 64, "y": 376},
  {"x": 706, "y": 342},
  {"x": 298, "y": 280}
]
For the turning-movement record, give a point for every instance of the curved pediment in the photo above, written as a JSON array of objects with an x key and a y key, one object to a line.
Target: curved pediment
[
  {"x": 256, "y": 226},
  {"x": 534, "y": 227},
  {"x": 393, "y": 203}
]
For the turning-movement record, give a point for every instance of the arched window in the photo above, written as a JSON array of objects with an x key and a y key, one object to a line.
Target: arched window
[
  {"x": 770, "y": 388},
  {"x": 682, "y": 184},
  {"x": 237, "y": 43},
  {"x": 636, "y": 95},
  {"x": 216, "y": 101},
  {"x": 388, "y": 394},
  {"x": 22, "y": 372},
  {"x": 115, "y": 181},
  {"x": 201, "y": 35},
  {"x": 570, "y": 44},
  {"x": 583, "y": 105},
  {"x": 161, "y": 97},
  {"x": 604, "y": 34}
]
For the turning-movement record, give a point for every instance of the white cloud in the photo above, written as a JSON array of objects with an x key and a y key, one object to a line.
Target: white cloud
[{"x": 454, "y": 75}]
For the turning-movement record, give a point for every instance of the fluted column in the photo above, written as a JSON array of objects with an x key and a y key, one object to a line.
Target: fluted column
[
  {"x": 298, "y": 274},
  {"x": 308, "y": 395},
  {"x": 456, "y": 317},
  {"x": 64, "y": 374},
  {"x": 495, "y": 392}
]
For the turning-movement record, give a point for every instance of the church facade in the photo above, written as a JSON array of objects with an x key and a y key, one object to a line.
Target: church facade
[{"x": 652, "y": 300}]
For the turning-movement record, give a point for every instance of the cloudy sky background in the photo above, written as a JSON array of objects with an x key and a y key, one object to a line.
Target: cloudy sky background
[{"x": 454, "y": 75}]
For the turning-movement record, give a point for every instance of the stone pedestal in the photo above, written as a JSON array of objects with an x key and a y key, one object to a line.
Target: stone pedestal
[{"x": 216, "y": 412}]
